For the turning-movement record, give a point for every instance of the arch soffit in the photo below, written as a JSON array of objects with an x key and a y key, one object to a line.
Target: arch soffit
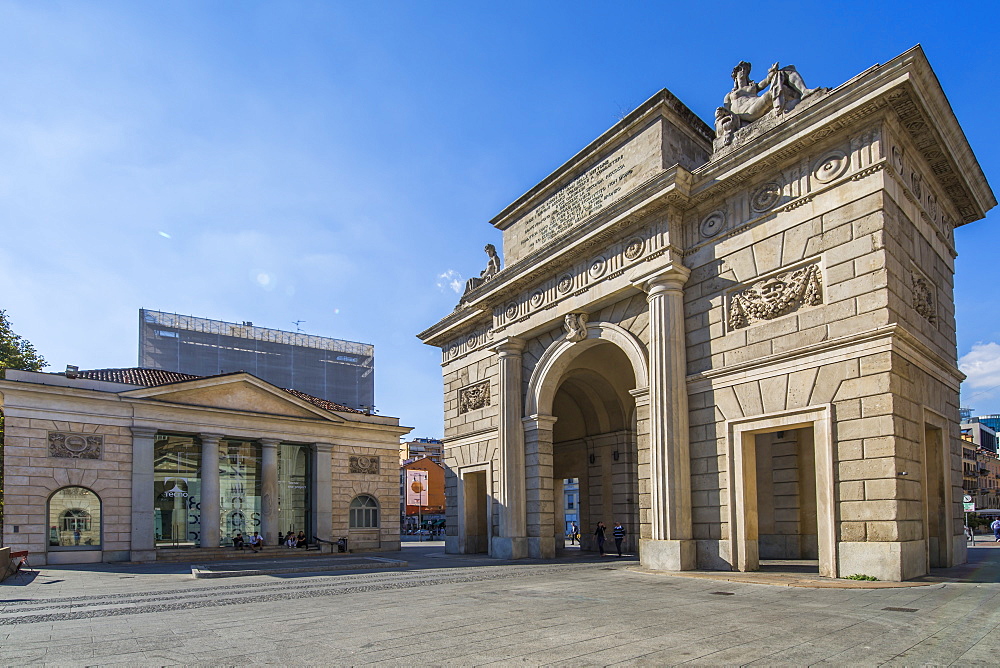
[{"x": 561, "y": 353}]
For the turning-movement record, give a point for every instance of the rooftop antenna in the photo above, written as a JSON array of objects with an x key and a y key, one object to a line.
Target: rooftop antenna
[{"x": 297, "y": 323}]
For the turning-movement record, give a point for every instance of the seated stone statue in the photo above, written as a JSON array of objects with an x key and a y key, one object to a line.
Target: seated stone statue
[
  {"x": 744, "y": 104},
  {"x": 491, "y": 270}
]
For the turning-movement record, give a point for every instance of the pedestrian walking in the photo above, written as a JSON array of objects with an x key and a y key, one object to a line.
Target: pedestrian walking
[
  {"x": 996, "y": 529},
  {"x": 619, "y": 534},
  {"x": 574, "y": 533},
  {"x": 600, "y": 537}
]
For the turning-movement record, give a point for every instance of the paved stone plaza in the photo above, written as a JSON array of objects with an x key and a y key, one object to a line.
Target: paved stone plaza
[{"x": 470, "y": 610}]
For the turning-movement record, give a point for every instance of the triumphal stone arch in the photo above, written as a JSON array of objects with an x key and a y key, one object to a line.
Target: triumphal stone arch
[{"x": 738, "y": 341}]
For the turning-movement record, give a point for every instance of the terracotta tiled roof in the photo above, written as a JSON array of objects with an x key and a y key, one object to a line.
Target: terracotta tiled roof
[
  {"x": 137, "y": 376},
  {"x": 157, "y": 377},
  {"x": 321, "y": 403}
]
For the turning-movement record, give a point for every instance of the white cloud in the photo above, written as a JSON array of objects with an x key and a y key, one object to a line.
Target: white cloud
[
  {"x": 450, "y": 279},
  {"x": 981, "y": 365}
]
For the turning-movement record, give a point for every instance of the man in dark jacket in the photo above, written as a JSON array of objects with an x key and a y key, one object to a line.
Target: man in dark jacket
[{"x": 600, "y": 537}]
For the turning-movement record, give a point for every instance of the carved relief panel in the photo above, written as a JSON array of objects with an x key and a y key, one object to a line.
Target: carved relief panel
[
  {"x": 474, "y": 397},
  {"x": 923, "y": 300},
  {"x": 75, "y": 446},
  {"x": 363, "y": 464},
  {"x": 776, "y": 295}
]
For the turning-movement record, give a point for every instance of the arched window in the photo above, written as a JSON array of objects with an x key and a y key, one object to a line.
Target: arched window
[
  {"x": 75, "y": 519},
  {"x": 364, "y": 512}
]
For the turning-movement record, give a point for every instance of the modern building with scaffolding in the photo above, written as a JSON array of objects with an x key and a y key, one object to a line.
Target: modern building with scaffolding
[{"x": 332, "y": 369}]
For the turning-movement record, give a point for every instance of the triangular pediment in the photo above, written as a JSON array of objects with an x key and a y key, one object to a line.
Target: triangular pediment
[{"x": 239, "y": 392}]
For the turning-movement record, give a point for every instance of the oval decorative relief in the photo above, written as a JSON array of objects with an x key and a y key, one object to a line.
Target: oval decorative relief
[
  {"x": 713, "y": 223},
  {"x": 537, "y": 299},
  {"x": 915, "y": 182},
  {"x": 831, "y": 166},
  {"x": 598, "y": 266},
  {"x": 565, "y": 284},
  {"x": 472, "y": 340},
  {"x": 765, "y": 197},
  {"x": 897, "y": 159},
  {"x": 511, "y": 311},
  {"x": 634, "y": 248}
]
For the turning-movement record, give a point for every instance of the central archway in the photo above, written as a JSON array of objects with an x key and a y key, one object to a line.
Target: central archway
[{"x": 584, "y": 426}]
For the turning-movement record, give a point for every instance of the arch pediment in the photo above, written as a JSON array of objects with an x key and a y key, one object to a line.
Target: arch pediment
[{"x": 240, "y": 392}]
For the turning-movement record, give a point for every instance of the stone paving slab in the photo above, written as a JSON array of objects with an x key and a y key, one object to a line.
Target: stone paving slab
[
  {"x": 471, "y": 612},
  {"x": 238, "y": 570}
]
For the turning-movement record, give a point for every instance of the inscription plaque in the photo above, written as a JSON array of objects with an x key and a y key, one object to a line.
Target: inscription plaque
[{"x": 596, "y": 188}]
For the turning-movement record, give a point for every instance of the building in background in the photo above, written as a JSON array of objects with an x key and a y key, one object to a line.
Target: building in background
[
  {"x": 117, "y": 465},
  {"x": 422, "y": 494},
  {"x": 984, "y": 429},
  {"x": 571, "y": 503},
  {"x": 331, "y": 369},
  {"x": 979, "y": 433},
  {"x": 421, "y": 447},
  {"x": 980, "y": 464}
]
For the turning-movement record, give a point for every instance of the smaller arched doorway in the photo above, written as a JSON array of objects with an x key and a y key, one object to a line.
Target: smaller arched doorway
[
  {"x": 583, "y": 419},
  {"x": 74, "y": 519}
]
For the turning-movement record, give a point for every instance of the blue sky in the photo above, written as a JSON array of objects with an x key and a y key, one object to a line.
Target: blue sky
[{"x": 337, "y": 163}]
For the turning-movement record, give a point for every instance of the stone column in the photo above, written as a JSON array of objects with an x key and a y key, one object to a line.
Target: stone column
[
  {"x": 538, "y": 473},
  {"x": 143, "y": 546},
  {"x": 670, "y": 545},
  {"x": 512, "y": 543},
  {"x": 210, "y": 504},
  {"x": 322, "y": 491},
  {"x": 269, "y": 490}
]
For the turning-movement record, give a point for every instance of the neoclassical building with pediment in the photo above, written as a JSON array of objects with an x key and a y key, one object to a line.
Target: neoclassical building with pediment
[
  {"x": 124, "y": 464},
  {"x": 738, "y": 340}
]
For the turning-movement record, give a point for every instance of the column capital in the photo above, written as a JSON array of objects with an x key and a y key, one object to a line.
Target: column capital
[
  {"x": 533, "y": 422},
  {"x": 323, "y": 447},
  {"x": 210, "y": 438},
  {"x": 141, "y": 431},
  {"x": 509, "y": 346},
  {"x": 270, "y": 442},
  {"x": 671, "y": 277},
  {"x": 641, "y": 395}
]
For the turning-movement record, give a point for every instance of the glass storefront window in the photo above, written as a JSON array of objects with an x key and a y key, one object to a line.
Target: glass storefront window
[
  {"x": 177, "y": 490},
  {"x": 240, "y": 488},
  {"x": 294, "y": 489},
  {"x": 75, "y": 519}
]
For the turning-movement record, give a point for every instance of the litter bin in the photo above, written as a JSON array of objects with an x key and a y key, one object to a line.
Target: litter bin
[{"x": 342, "y": 545}]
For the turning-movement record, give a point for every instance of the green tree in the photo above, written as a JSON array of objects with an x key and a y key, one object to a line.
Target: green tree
[{"x": 15, "y": 353}]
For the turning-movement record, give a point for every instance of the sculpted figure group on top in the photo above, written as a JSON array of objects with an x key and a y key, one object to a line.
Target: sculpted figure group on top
[{"x": 744, "y": 104}]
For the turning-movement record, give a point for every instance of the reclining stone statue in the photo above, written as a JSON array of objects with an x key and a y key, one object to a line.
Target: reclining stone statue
[
  {"x": 491, "y": 270},
  {"x": 744, "y": 104}
]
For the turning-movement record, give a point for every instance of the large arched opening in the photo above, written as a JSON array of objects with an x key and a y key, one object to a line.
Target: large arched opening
[{"x": 582, "y": 417}]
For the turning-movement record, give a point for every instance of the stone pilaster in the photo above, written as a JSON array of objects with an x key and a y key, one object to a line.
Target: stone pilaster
[
  {"x": 143, "y": 545},
  {"x": 539, "y": 489},
  {"x": 512, "y": 543},
  {"x": 322, "y": 498},
  {"x": 269, "y": 490},
  {"x": 210, "y": 504},
  {"x": 670, "y": 545}
]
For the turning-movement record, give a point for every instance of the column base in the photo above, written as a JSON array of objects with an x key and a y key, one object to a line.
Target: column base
[
  {"x": 542, "y": 548},
  {"x": 508, "y": 548},
  {"x": 890, "y": 561},
  {"x": 668, "y": 555},
  {"x": 142, "y": 555}
]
